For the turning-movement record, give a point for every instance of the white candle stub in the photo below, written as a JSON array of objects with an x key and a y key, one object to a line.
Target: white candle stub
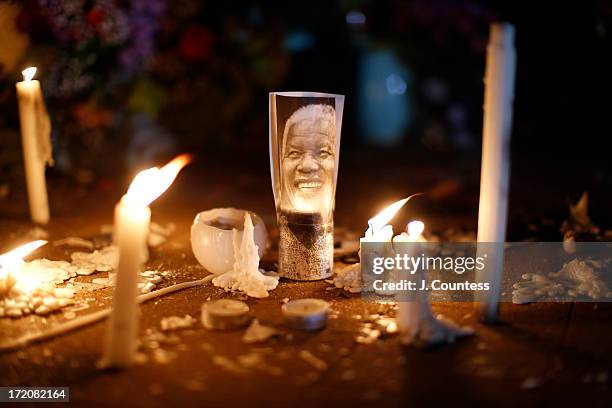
[
  {"x": 225, "y": 314},
  {"x": 258, "y": 333},
  {"x": 306, "y": 314},
  {"x": 417, "y": 324}
]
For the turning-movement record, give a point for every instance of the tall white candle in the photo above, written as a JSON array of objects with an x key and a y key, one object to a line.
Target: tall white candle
[
  {"x": 36, "y": 143},
  {"x": 131, "y": 231},
  {"x": 132, "y": 219},
  {"x": 495, "y": 170}
]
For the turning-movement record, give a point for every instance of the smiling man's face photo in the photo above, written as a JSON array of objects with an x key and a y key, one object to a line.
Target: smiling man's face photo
[{"x": 308, "y": 159}]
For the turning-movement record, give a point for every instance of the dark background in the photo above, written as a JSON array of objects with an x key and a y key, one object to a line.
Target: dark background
[{"x": 194, "y": 76}]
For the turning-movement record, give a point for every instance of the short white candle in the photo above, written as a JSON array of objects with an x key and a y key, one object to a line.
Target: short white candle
[
  {"x": 36, "y": 143},
  {"x": 495, "y": 171},
  {"x": 132, "y": 218},
  {"x": 380, "y": 232},
  {"x": 409, "y": 314}
]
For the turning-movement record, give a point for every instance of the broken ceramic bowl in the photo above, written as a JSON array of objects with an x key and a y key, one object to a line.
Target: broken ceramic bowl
[{"x": 212, "y": 237}]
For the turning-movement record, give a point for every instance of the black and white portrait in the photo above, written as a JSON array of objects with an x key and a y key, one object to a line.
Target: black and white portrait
[
  {"x": 308, "y": 158},
  {"x": 304, "y": 149}
]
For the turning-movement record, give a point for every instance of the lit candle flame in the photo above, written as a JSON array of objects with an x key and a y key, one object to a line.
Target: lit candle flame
[
  {"x": 149, "y": 184},
  {"x": 20, "y": 252},
  {"x": 11, "y": 264},
  {"x": 28, "y": 73},
  {"x": 415, "y": 229},
  {"x": 382, "y": 218}
]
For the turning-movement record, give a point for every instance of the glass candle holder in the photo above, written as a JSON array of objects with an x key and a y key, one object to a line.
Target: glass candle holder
[{"x": 304, "y": 152}]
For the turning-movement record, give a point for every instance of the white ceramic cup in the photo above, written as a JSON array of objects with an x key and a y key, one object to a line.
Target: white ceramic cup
[{"x": 213, "y": 245}]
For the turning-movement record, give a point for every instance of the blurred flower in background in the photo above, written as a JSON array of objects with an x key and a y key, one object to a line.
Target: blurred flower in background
[
  {"x": 119, "y": 75},
  {"x": 196, "y": 43},
  {"x": 10, "y": 33}
]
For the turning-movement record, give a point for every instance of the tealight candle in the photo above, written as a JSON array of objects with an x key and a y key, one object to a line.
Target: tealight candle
[
  {"x": 36, "y": 143},
  {"x": 306, "y": 314},
  {"x": 132, "y": 219},
  {"x": 225, "y": 314}
]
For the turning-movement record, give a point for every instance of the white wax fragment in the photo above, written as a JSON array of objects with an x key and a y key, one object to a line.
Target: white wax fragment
[
  {"x": 43, "y": 274},
  {"x": 245, "y": 275},
  {"x": 146, "y": 287},
  {"x": 103, "y": 260},
  {"x": 429, "y": 331},
  {"x": 85, "y": 271},
  {"x": 314, "y": 361},
  {"x": 155, "y": 239},
  {"x": 162, "y": 356},
  {"x": 229, "y": 365},
  {"x": 153, "y": 279},
  {"x": 159, "y": 234},
  {"x": 349, "y": 277},
  {"x": 258, "y": 333},
  {"x": 165, "y": 231},
  {"x": 14, "y": 313},
  {"x": 63, "y": 293},
  {"x": 176, "y": 322},
  {"x": 74, "y": 242},
  {"x": 251, "y": 360},
  {"x": 576, "y": 278}
]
